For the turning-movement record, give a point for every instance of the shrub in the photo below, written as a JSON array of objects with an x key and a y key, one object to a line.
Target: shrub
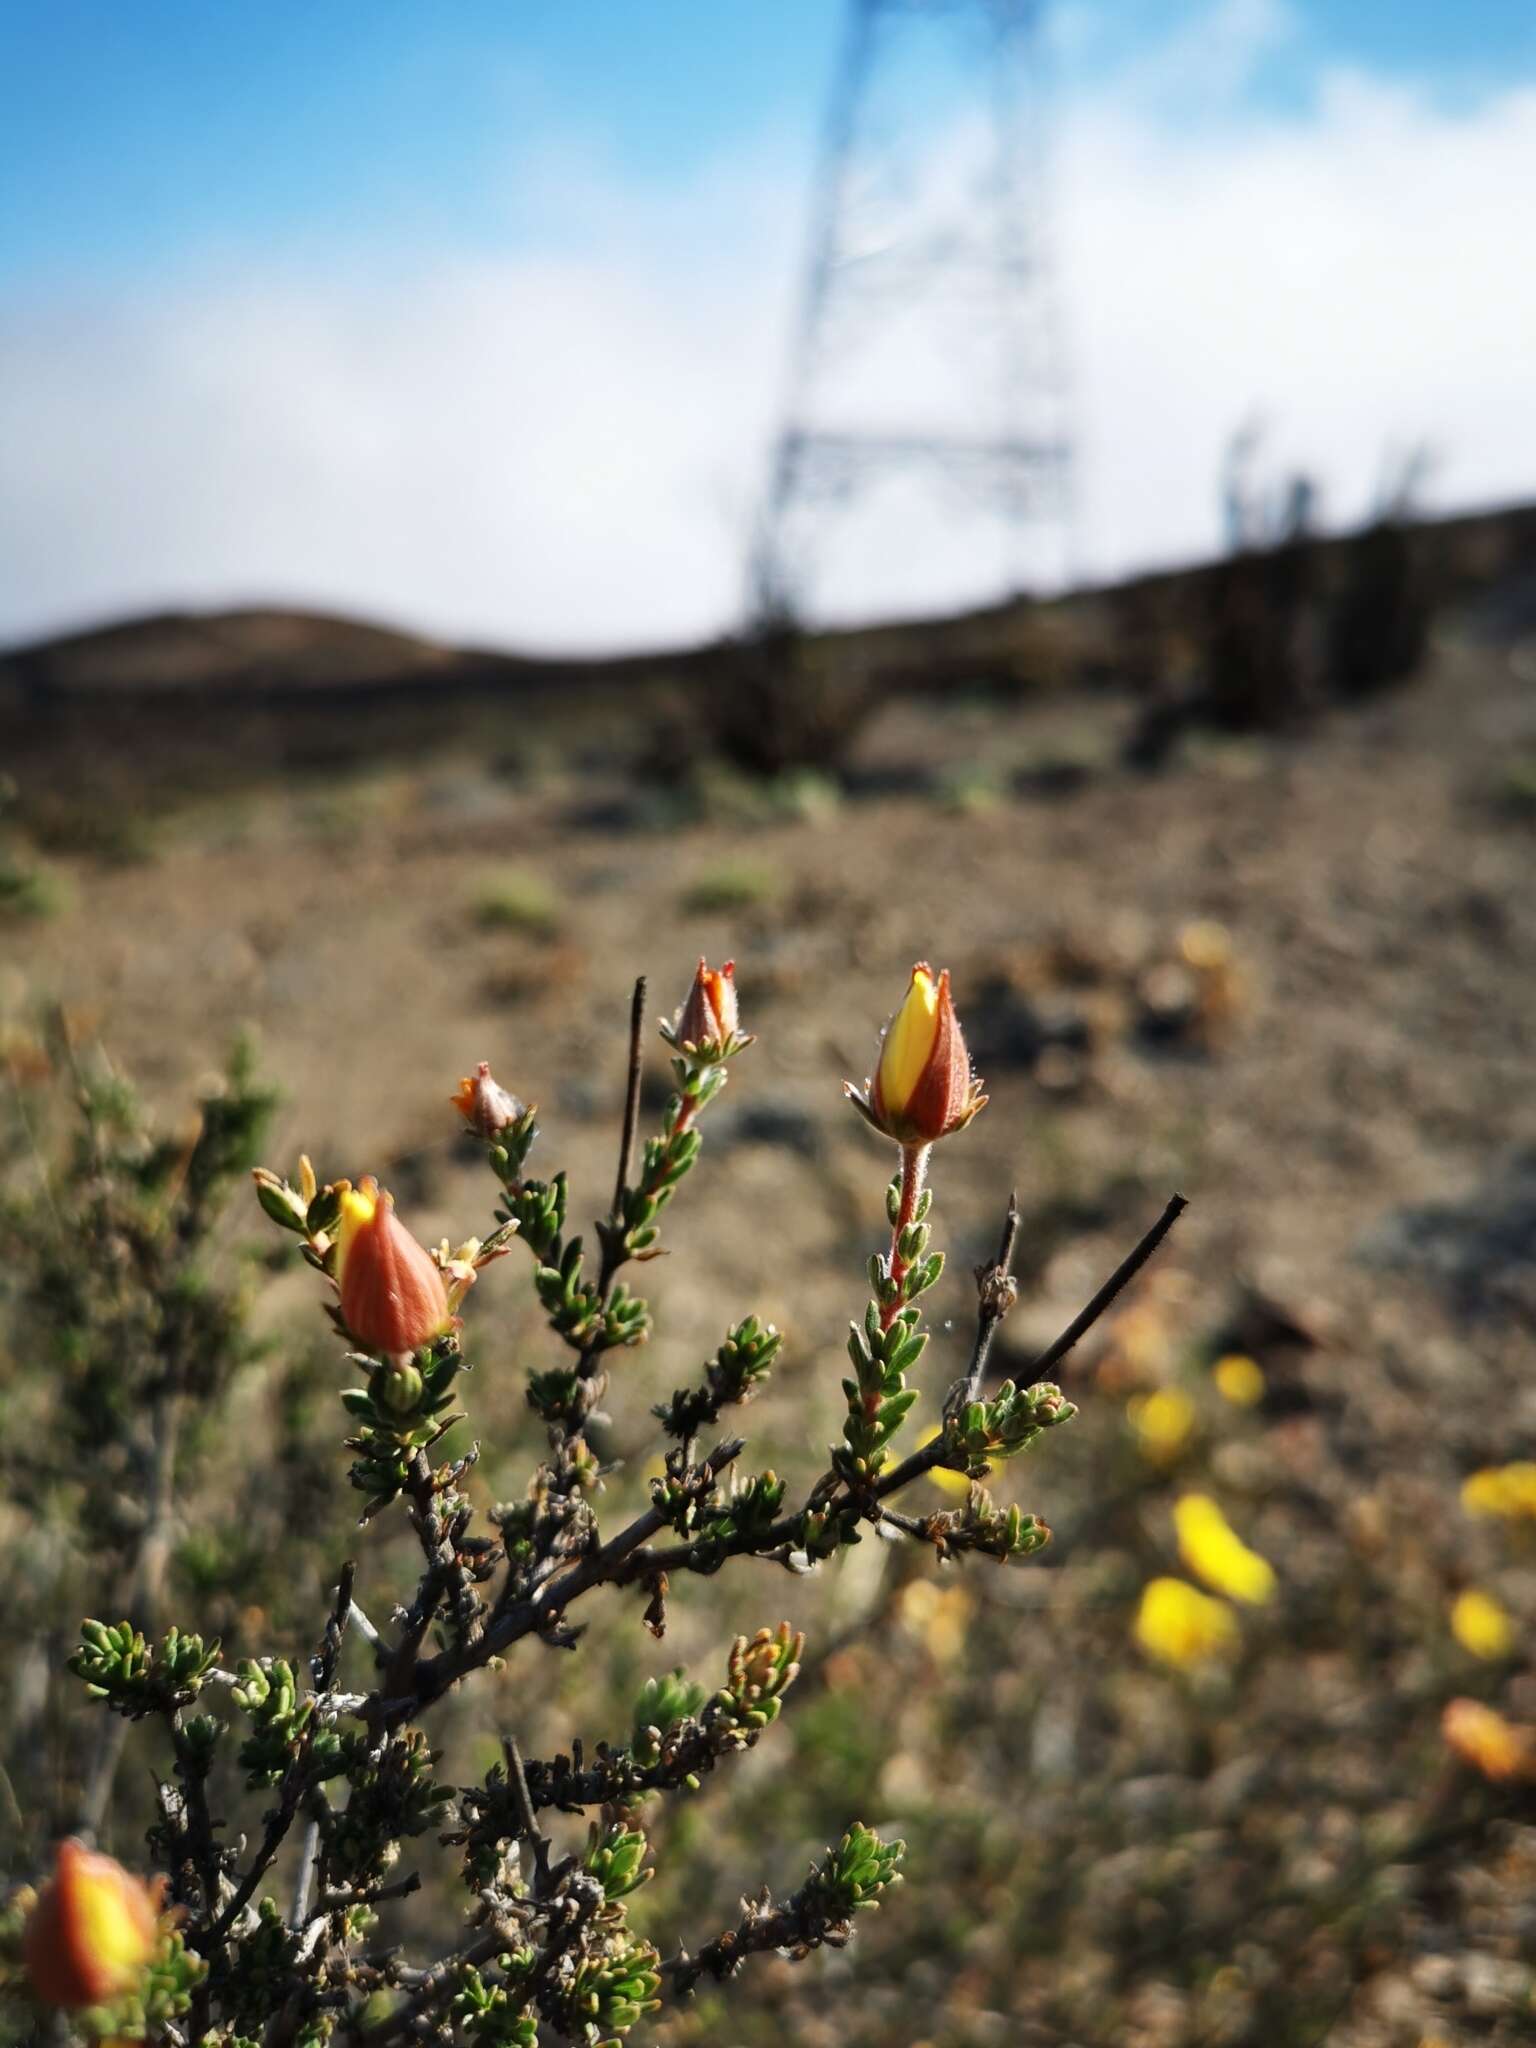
[
  {"x": 732, "y": 885},
  {"x": 27, "y": 887},
  {"x": 773, "y": 702},
  {"x": 268, "y": 1922},
  {"x": 517, "y": 901}
]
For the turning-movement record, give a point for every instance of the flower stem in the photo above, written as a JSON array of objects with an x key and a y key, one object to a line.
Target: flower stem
[{"x": 914, "y": 1168}]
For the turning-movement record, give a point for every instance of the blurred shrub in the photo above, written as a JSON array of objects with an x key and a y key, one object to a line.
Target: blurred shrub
[
  {"x": 1286, "y": 623},
  {"x": 518, "y": 901},
  {"x": 1379, "y": 625},
  {"x": 971, "y": 789},
  {"x": 1515, "y": 795},
  {"x": 28, "y": 888},
  {"x": 731, "y": 885},
  {"x": 115, "y": 1364},
  {"x": 775, "y": 701},
  {"x": 113, "y": 833},
  {"x": 1265, "y": 636}
]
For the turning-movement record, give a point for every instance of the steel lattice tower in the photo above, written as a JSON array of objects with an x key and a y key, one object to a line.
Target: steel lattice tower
[{"x": 927, "y": 359}]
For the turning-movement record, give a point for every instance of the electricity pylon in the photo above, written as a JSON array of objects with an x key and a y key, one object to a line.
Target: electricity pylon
[{"x": 926, "y": 373}]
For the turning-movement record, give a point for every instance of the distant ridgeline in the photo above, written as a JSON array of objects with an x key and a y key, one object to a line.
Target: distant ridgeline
[{"x": 235, "y": 694}]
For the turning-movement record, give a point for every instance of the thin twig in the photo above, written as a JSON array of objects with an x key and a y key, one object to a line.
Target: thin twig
[
  {"x": 370, "y": 1895},
  {"x": 199, "y": 1821},
  {"x": 996, "y": 1293},
  {"x": 442, "y": 1978},
  {"x": 517, "y": 1781},
  {"x": 39, "y": 1158},
  {"x": 368, "y": 1632},
  {"x": 612, "y": 1561},
  {"x": 279, "y": 1821},
  {"x": 17, "y": 1818},
  {"x": 907, "y": 1524},
  {"x": 151, "y": 1561},
  {"x": 106, "y": 1755},
  {"x": 328, "y": 1657},
  {"x": 299, "y": 1781},
  {"x": 309, "y": 1856},
  {"x": 988, "y": 1318},
  {"x": 612, "y": 1235},
  {"x": 444, "y": 1578},
  {"x": 1122, "y": 1276},
  {"x": 323, "y": 1668},
  {"x": 631, "y": 1098},
  {"x": 995, "y": 1296}
]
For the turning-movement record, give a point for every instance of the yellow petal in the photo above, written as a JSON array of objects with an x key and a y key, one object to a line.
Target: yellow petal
[
  {"x": 1239, "y": 1380},
  {"x": 909, "y": 1040},
  {"x": 114, "y": 1928},
  {"x": 1180, "y": 1626},
  {"x": 1214, "y": 1551},
  {"x": 1164, "y": 1422},
  {"x": 1506, "y": 1491},
  {"x": 1482, "y": 1625},
  {"x": 359, "y": 1206},
  {"x": 955, "y": 1483}
]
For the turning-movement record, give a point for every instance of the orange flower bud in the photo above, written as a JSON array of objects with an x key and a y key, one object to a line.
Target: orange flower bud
[
  {"x": 94, "y": 1928},
  {"x": 484, "y": 1104},
  {"x": 709, "y": 1017},
  {"x": 923, "y": 1086},
  {"x": 393, "y": 1297}
]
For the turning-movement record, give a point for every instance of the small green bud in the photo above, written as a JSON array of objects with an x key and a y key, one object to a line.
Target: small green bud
[{"x": 399, "y": 1388}]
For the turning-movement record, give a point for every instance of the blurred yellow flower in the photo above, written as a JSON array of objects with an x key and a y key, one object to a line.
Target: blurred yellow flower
[
  {"x": 1481, "y": 1624},
  {"x": 1505, "y": 1491},
  {"x": 1205, "y": 944},
  {"x": 1140, "y": 1336},
  {"x": 1180, "y": 1626},
  {"x": 1214, "y": 1551},
  {"x": 1482, "y": 1737},
  {"x": 1164, "y": 1422},
  {"x": 937, "y": 1616},
  {"x": 954, "y": 1483},
  {"x": 1239, "y": 1380}
]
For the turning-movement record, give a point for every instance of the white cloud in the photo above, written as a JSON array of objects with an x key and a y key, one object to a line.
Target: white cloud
[
  {"x": 562, "y": 449},
  {"x": 1352, "y": 276}
]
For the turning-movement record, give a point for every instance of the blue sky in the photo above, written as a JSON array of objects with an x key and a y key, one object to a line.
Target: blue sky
[
  {"x": 174, "y": 130},
  {"x": 472, "y": 314}
]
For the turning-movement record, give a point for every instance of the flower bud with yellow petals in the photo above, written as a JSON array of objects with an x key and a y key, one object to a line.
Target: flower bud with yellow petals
[
  {"x": 393, "y": 1297},
  {"x": 92, "y": 1932},
  {"x": 923, "y": 1087}
]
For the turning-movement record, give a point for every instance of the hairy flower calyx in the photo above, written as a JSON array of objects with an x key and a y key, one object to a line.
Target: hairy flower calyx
[
  {"x": 708, "y": 1021},
  {"x": 923, "y": 1087},
  {"x": 484, "y": 1104},
  {"x": 393, "y": 1296}
]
